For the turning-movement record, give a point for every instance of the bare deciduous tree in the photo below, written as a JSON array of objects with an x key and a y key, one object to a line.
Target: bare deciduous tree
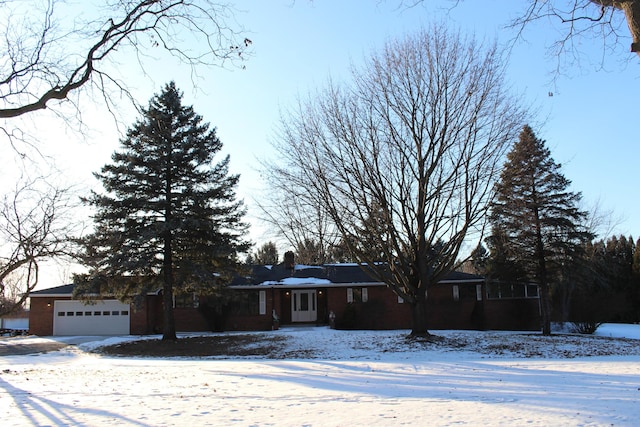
[
  {"x": 304, "y": 228},
  {"x": 415, "y": 142},
  {"x": 604, "y": 19},
  {"x": 608, "y": 20},
  {"x": 55, "y": 53},
  {"x": 33, "y": 228},
  {"x": 47, "y": 55}
]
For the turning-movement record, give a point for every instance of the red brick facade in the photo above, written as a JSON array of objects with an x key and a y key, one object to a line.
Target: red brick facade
[
  {"x": 41, "y": 315},
  {"x": 467, "y": 308},
  {"x": 462, "y": 305}
]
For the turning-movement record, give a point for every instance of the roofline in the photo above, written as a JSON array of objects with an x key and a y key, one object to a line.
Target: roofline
[
  {"x": 84, "y": 296},
  {"x": 308, "y": 285},
  {"x": 454, "y": 281},
  {"x": 340, "y": 285}
]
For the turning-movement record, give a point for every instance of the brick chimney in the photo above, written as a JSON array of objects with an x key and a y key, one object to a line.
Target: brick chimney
[{"x": 289, "y": 261}]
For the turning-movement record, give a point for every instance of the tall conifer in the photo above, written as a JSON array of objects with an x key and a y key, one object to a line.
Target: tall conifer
[
  {"x": 536, "y": 217},
  {"x": 168, "y": 218}
]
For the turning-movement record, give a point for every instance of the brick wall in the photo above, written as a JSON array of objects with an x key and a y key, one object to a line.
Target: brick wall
[
  {"x": 41, "y": 316},
  {"x": 381, "y": 310}
]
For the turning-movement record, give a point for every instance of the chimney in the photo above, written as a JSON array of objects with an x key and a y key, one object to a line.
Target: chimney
[{"x": 289, "y": 261}]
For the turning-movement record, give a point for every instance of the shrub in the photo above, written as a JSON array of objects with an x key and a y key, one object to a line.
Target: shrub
[{"x": 586, "y": 327}]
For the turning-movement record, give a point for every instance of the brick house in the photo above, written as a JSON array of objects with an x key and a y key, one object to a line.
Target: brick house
[{"x": 342, "y": 295}]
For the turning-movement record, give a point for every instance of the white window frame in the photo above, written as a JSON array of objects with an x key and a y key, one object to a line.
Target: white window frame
[
  {"x": 262, "y": 298},
  {"x": 364, "y": 294}
]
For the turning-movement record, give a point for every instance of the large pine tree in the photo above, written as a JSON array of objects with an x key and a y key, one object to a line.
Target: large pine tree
[
  {"x": 536, "y": 219},
  {"x": 168, "y": 217}
]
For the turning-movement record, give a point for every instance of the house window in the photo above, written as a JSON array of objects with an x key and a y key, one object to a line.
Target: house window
[
  {"x": 186, "y": 300},
  {"x": 467, "y": 292},
  {"x": 262, "y": 302},
  {"x": 357, "y": 295},
  {"x": 532, "y": 291},
  {"x": 504, "y": 290},
  {"x": 249, "y": 303},
  {"x": 61, "y": 314}
]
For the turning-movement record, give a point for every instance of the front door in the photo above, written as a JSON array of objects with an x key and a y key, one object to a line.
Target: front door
[{"x": 304, "y": 306}]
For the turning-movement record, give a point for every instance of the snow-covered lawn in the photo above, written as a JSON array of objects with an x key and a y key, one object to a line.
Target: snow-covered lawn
[{"x": 338, "y": 378}]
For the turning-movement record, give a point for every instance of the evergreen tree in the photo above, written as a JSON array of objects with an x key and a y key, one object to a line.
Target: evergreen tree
[
  {"x": 310, "y": 252},
  {"x": 168, "y": 217},
  {"x": 536, "y": 217},
  {"x": 267, "y": 254}
]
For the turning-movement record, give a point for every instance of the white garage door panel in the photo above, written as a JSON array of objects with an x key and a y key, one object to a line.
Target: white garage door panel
[{"x": 108, "y": 317}]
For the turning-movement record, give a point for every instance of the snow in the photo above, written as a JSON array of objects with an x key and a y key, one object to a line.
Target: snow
[
  {"x": 335, "y": 378},
  {"x": 298, "y": 281}
]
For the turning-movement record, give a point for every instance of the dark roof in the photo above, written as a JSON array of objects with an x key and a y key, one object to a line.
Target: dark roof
[
  {"x": 68, "y": 290},
  {"x": 334, "y": 273},
  {"x": 58, "y": 290}
]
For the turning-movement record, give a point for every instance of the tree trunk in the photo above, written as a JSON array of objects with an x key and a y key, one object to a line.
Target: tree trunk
[
  {"x": 169, "y": 323},
  {"x": 169, "y": 326},
  {"x": 545, "y": 299},
  {"x": 631, "y": 9},
  {"x": 545, "y": 303},
  {"x": 419, "y": 318}
]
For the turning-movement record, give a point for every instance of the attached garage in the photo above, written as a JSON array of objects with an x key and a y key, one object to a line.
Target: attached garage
[{"x": 104, "y": 317}]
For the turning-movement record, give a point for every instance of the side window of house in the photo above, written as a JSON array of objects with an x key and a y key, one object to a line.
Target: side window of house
[
  {"x": 186, "y": 300},
  {"x": 262, "y": 302},
  {"x": 501, "y": 290},
  {"x": 467, "y": 292},
  {"x": 357, "y": 295},
  {"x": 249, "y": 303}
]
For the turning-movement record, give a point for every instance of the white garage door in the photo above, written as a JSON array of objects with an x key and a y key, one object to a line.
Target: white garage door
[{"x": 108, "y": 317}]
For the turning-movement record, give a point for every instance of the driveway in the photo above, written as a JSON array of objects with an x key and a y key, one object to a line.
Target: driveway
[{"x": 21, "y": 345}]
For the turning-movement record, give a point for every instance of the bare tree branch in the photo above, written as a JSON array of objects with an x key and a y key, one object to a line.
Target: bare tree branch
[
  {"x": 33, "y": 228},
  {"x": 404, "y": 159},
  {"x": 44, "y": 60}
]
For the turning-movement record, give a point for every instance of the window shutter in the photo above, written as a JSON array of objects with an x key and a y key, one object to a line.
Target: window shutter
[
  {"x": 349, "y": 295},
  {"x": 365, "y": 294},
  {"x": 263, "y": 302}
]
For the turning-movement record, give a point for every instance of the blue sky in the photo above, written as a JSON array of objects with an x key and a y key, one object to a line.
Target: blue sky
[{"x": 588, "y": 123}]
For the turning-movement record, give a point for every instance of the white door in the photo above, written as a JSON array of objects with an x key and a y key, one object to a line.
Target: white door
[
  {"x": 108, "y": 317},
  {"x": 303, "y": 306}
]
